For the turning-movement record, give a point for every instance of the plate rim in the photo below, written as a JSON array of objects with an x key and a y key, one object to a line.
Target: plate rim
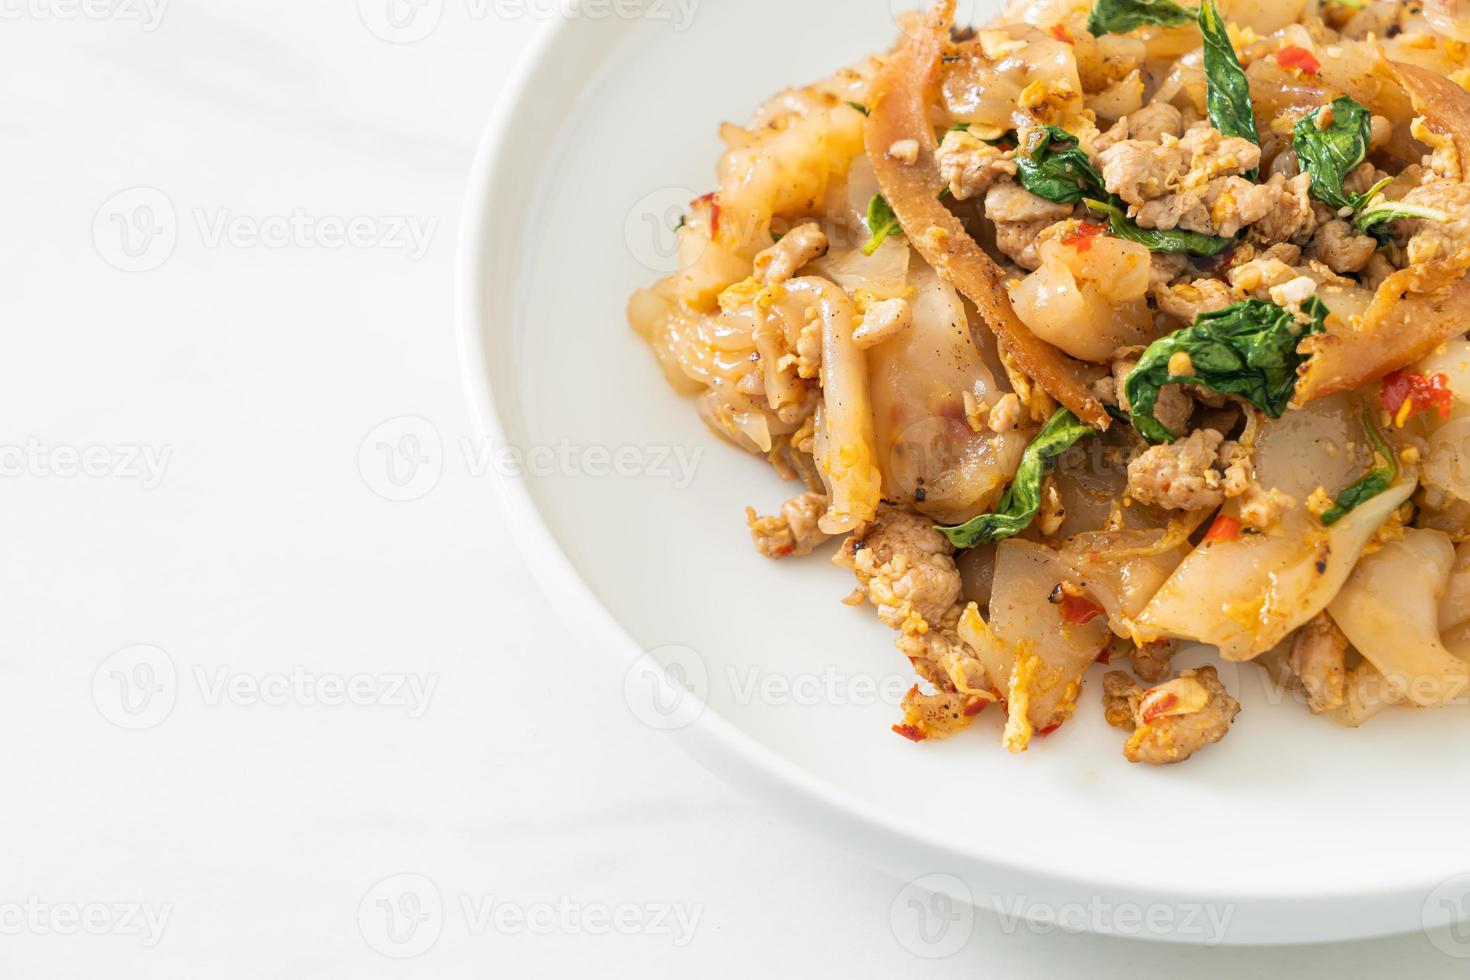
[{"x": 867, "y": 830}]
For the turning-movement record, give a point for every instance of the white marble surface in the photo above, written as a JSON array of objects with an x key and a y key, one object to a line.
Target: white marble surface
[{"x": 214, "y": 620}]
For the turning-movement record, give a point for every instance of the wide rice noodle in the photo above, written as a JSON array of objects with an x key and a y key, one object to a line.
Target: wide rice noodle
[
  {"x": 1389, "y": 609},
  {"x": 845, "y": 455},
  {"x": 899, "y": 111}
]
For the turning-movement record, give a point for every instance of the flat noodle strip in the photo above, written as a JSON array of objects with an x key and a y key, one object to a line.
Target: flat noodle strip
[
  {"x": 899, "y": 111},
  {"x": 1443, "y": 104},
  {"x": 1416, "y": 309},
  {"x": 1413, "y": 312}
]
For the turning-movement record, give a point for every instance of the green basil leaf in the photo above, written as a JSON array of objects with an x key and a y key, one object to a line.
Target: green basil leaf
[
  {"x": 882, "y": 222},
  {"x": 1022, "y": 499},
  {"x": 1157, "y": 240},
  {"x": 1227, "y": 95},
  {"x": 1330, "y": 154},
  {"x": 1249, "y": 349},
  {"x": 859, "y": 107},
  {"x": 1064, "y": 174},
  {"x": 1370, "y": 486},
  {"x": 1372, "y": 220},
  {"x": 1122, "y": 16}
]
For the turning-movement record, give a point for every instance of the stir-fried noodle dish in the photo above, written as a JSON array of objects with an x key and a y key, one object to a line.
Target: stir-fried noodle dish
[{"x": 1103, "y": 330}]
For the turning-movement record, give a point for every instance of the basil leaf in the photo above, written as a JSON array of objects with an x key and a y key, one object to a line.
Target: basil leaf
[
  {"x": 1370, "y": 486},
  {"x": 1156, "y": 240},
  {"x": 859, "y": 107},
  {"x": 1022, "y": 499},
  {"x": 1330, "y": 154},
  {"x": 1122, "y": 16},
  {"x": 1227, "y": 95},
  {"x": 882, "y": 222},
  {"x": 1060, "y": 175},
  {"x": 1370, "y": 221},
  {"x": 1249, "y": 349}
]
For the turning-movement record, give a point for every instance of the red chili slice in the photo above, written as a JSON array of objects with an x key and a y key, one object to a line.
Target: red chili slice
[
  {"x": 1406, "y": 394},
  {"x": 1301, "y": 59},
  {"x": 1225, "y": 528},
  {"x": 910, "y": 732},
  {"x": 1159, "y": 707},
  {"x": 713, "y": 200},
  {"x": 1079, "y": 611},
  {"x": 1081, "y": 237}
]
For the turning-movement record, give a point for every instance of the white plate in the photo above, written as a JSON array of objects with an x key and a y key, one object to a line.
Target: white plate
[{"x": 1291, "y": 830}]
